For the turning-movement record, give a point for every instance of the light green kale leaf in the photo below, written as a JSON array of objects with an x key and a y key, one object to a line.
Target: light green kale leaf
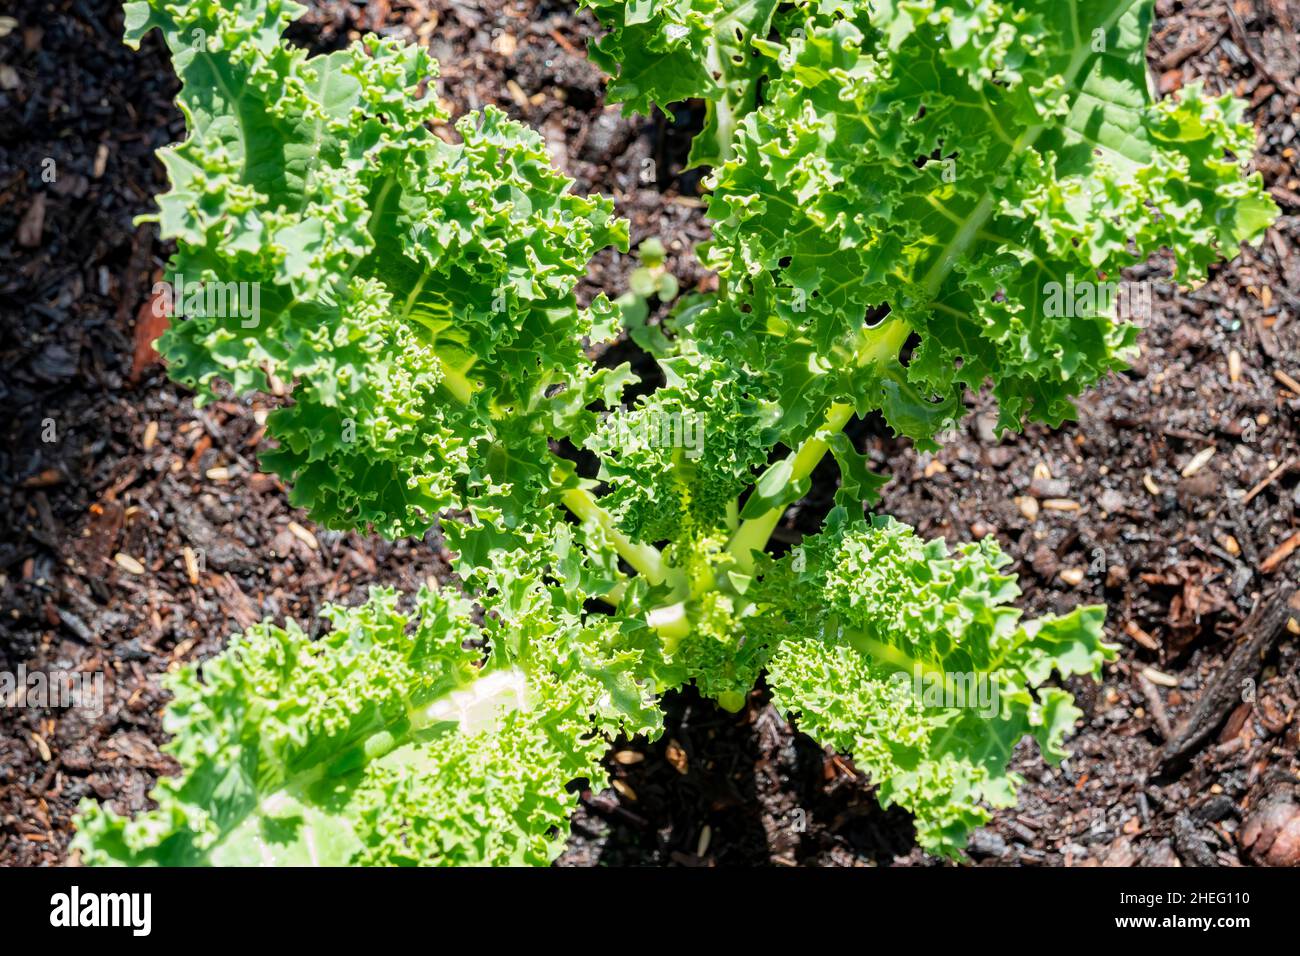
[
  {"x": 396, "y": 738},
  {"x": 416, "y": 296},
  {"x": 907, "y": 656},
  {"x": 677, "y": 460},
  {"x": 954, "y": 165}
]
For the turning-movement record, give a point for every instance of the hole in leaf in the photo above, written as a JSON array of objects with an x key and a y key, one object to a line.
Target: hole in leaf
[{"x": 875, "y": 315}]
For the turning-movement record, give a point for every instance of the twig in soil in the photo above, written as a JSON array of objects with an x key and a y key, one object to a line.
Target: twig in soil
[
  {"x": 1287, "y": 380},
  {"x": 1144, "y": 809},
  {"x": 1134, "y": 630},
  {"x": 1174, "y": 58},
  {"x": 558, "y": 37},
  {"x": 1280, "y": 554},
  {"x": 1156, "y": 706},
  {"x": 1239, "y": 29},
  {"x": 1187, "y": 435},
  {"x": 1223, "y": 691},
  {"x": 1271, "y": 477},
  {"x": 613, "y": 810},
  {"x": 1245, "y": 535}
]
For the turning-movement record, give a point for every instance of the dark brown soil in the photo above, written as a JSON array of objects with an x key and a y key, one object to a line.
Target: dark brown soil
[{"x": 132, "y": 469}]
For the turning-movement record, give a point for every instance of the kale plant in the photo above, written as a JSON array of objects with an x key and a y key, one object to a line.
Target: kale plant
[{"x": 894, "y": 187}]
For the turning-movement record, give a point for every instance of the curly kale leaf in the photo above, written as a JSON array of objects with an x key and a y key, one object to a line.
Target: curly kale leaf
[
  {"x": 906, "y": 655},
  {"x": 680, "y": 458},
  {"x": 955, "y": 164},
  {"x": 390, "y": 740},
  {"x": 418, "y": 297},
  {"x": 658, "y": 52}
]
